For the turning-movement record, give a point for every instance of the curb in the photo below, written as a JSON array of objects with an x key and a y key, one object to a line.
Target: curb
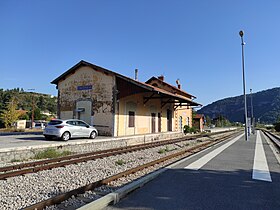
[
  {"x": 21, "y": 133},
  {"x": 120, "y": 193}
]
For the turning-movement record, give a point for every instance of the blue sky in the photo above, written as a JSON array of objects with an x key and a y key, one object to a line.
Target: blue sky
[{"x": 195, "y": 41}]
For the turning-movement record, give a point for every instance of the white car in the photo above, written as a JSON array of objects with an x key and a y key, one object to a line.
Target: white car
[
  {"x": 66, "y": 129},
  {"x": 39, "y": 125}
]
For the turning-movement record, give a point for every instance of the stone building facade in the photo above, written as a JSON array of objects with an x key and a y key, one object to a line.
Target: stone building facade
[{"x": 117, "y": 105}]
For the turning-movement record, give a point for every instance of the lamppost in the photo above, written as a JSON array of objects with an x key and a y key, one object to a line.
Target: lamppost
[
  {"x": 252, "y": 113},
  {"x": 241, "y": 33}
]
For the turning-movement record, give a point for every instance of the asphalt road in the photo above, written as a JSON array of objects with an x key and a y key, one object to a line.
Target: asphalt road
[
  {"x": 17, "y": 141},
  {"x": 28, "y": 140},
  {"x": 224, "y": 182}
]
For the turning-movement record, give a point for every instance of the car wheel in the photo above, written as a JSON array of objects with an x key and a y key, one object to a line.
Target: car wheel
[
  {"x": 65, "y": 136},
  {"x": 93, "y": 135}
]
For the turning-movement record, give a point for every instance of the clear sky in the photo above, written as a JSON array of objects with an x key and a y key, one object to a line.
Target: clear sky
[{"x": 196, "y": 41}]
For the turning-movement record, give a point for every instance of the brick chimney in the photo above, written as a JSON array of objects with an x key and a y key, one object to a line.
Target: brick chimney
[
  {"x": 136, "y": 75},
  {"x": 161, "y": 77},
  {"x": 178, "y": 83}
]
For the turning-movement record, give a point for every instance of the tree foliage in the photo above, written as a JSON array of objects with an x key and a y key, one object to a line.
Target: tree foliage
[
  {"x": 10, "y": 115},
  {"x": 26, "y": 101},
  {"x": 277, "y": 125}
]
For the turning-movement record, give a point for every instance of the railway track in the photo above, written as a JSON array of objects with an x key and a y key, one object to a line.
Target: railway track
[
  {"x": 176, "y": 156},
  {"x": 274, "y": 138},
  {"x": 36, "y": 166}
]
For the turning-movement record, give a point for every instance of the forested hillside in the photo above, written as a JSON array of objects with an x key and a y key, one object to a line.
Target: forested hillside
[
  {"x": 266, "y": 107},
  {"x": 26, "y": 101}
]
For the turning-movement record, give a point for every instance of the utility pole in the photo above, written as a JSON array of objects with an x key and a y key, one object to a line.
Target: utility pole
[
  {"x": 33, "y": 106},
  {"x": 241, "y": 33}
]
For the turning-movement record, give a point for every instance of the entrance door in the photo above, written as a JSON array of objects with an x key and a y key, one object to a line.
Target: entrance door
[
  {"x": 159, "y": 122},
  {"x": 169, "y": 120},
  {"x": 83, "y": 111},
  {"x": 153, "y": 122}
]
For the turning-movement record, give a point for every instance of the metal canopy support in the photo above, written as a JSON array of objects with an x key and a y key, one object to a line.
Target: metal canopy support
[
  {"x": 163, "y": 103},
  {"x": 146, "y": 99},
  {"x": 176, "y": 106}
]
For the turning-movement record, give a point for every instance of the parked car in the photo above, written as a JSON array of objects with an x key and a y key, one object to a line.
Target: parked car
[
  {"x": 39, "y": 125},
  {"x": 66, "y": 129}
]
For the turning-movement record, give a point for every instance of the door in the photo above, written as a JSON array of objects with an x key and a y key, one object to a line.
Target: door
[
  {"x": 169, "y": 120},
  {"x": 83, "y": 111},
  {"x": 83, "y": 129},
  {"x": 153, "y": 122},
  {"x": 73, "y": 128},
  {"x": 159, "y": 122}
]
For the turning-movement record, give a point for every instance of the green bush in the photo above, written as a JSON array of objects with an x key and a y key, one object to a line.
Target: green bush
[{"x": 186, "y": 129}]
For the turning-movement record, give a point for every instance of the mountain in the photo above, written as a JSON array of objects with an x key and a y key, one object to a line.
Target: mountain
[{"x": 266, "y": 107}]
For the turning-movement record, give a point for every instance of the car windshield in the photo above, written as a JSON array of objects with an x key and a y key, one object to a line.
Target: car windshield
[{"x": 55, "y": 122}]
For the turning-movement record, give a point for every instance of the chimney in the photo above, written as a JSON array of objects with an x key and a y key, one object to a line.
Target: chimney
[
  {"x": 178, "y": 83},
  {"x": 136, "y": 74},
  {"x": 161, "y": 77}
]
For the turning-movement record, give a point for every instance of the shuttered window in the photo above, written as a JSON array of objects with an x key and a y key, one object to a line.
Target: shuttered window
[{"x": 131, "y": 119}]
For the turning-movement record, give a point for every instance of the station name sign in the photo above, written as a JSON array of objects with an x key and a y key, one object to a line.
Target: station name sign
[{"x": 84, "y": 87}]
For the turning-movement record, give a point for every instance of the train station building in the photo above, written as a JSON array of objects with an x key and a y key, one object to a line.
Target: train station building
[{"x": 118, "y": 105}]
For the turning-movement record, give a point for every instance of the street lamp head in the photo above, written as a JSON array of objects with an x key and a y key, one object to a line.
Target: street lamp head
[{"x": 241, "y": 33}]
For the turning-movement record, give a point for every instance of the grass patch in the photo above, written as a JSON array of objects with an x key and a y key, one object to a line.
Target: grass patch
[
  {"x": 164, "y": 150},
  {"x": 9, "y": 130},
  {"x": 120, "y": 162},
  {"x": 161, "y": 151},
  {"x": 51, "y": 153},
  {"x": 16, "y": 160}
]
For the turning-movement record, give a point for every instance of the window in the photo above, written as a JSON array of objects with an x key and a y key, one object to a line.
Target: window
[
  {"x": 80, "y": 123},
  {"x": 71, "y": 122},
  {"x": 181, "y": 122},
  {"x": 188, "y": 121},
  {"x": 131, "y": 119},
  {"x": 55, "y": 122}
]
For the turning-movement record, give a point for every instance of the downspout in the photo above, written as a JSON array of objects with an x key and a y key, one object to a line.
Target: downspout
[
  {"x": 114, "y": 105},
  {"x": 58, "y": 102}
]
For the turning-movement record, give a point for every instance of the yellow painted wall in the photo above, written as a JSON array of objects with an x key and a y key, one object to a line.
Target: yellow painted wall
[
  {"x": 183, "y": 111},
  {"x": 186, "y": 114},
  {"x": 143, "y": 118}
]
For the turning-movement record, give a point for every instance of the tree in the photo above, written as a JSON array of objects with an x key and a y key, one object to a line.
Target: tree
[
  {"x": 10, "y": 115},
  {"x": 208, "y": 121},
  {"x": 277, "y": 125}
]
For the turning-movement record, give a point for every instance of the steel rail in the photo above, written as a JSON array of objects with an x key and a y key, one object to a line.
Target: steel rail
[
  {"x": 21, "y": 169},
  {"x": 274, "y": 138},
  {"x": 182, "y": 154}
]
